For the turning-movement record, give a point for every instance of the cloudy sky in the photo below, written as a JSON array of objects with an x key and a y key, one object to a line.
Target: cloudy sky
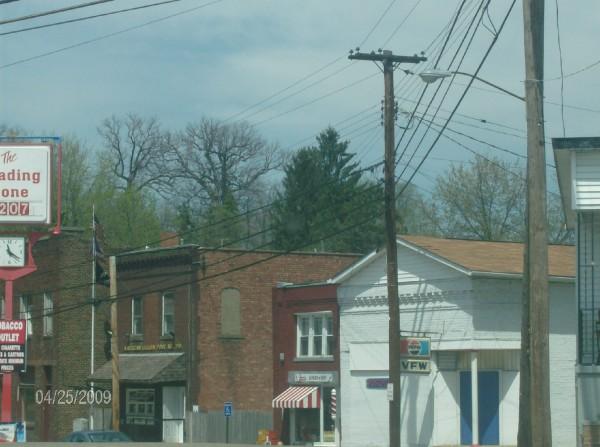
[{"x": 282, "y": 66}]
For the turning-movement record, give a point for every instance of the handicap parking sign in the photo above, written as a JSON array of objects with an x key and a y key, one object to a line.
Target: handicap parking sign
[{"x": 228, "y": 408}]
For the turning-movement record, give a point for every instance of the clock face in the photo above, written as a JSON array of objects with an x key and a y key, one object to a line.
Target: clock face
[{"x": 12, "y": 251}]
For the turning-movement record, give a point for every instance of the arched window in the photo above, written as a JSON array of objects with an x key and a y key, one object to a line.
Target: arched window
[{"x": 230, "y": 313}]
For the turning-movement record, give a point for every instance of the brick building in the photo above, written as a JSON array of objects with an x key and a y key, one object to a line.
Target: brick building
[
  {"x": 58, "y": 345},
  {"x": 221, "y": 328},
  {"x": 305, "y": 363},
  {"x": 157, "y": 291}
]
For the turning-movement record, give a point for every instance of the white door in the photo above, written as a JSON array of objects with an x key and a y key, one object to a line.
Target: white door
[{"x": 173, "y": 413}]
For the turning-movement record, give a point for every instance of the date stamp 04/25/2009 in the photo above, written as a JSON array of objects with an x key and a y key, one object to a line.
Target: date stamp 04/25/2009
[{"x": 72, "y": 397}]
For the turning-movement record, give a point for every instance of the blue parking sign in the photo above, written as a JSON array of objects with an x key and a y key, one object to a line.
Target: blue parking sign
[{"x": 228, "y": 408}]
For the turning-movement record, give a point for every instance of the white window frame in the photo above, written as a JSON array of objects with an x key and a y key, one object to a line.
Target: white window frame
[
  {"x": 165, "y": 331},
  {"x": 139, "y": 328},
  {"x": 47, "y": 317},
  {"x": 25, "y": 312},
  {"x": 313, "y": 317}
]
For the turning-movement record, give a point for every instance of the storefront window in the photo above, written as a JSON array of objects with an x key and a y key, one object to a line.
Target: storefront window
[
  {"x": 140, "y": 406},
  {"x": 313, "y": 426},
  {"x": 308, "y": 426}
]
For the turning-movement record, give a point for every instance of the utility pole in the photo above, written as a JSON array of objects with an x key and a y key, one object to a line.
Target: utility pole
[
  {"x": 389, "y": 63},
  {"x": 535, "y": 387},
  {"x": 114, "y": 344}
]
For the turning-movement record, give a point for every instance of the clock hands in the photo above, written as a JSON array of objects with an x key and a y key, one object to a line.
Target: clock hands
[{"x": 11, "y": 254}]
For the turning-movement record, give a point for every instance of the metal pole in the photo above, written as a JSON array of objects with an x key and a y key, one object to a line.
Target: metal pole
[
  {"x": 114, "y": 345},
  {"x": 93, "y": 325}
]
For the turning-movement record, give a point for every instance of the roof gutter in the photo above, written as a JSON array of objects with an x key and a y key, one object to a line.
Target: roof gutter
[{"x": 497, "y": 275}]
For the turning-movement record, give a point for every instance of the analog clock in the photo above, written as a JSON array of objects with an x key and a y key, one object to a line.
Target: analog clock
[{"x": 12, "y": 251}]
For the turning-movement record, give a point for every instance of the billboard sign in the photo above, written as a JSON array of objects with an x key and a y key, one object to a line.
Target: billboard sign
[
  {"x": 25, "y": 183},
  {"x": 13, "y": 339}
]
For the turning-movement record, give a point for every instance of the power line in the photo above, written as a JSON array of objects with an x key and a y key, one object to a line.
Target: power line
[
  {"x": 80, "y": 19},
  {"x": 376, "y": 23},
  {"x": 456, "y": 53},
  {"x": 494, "y": 40},
  {"x": 106, "y": 36},
  {"x": 54, "y": 11}
]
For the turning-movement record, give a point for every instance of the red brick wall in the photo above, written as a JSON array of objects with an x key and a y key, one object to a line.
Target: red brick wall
[
  {"x": 64, "y": 270},
  {"x": 241, "y": 370},
  {"x": 287, "y": 302}
]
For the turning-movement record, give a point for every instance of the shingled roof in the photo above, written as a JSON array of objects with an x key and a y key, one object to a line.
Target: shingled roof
[{"x": 493, "y": 257}]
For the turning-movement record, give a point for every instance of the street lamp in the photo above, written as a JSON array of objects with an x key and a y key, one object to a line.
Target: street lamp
[{"x": 430, "y": 76}]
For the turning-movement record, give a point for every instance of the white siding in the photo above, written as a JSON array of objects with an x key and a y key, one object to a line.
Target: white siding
[
  {"x": 586, "y": 180},
  {"x": 460, "y": 314}
]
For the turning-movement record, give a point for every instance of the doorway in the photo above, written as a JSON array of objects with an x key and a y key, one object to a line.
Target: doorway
[{"x": 488, "y": 388}]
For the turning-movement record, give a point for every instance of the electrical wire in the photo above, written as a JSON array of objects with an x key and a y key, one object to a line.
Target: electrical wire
[
  {"x": 106, "y": 36},
  {"x": 54, "y": 11},
  {"x": 383, "y": 14},
  {"x": 456, "y": 53},
  {"x": 487, "y": 53},
  {"x": 81, "y": 19}
]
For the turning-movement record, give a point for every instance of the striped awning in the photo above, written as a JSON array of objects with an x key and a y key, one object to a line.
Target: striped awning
[{"x": 298, "y": 397}]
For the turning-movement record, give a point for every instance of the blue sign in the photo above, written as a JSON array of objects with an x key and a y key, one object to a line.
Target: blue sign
[{"x": 228, "y": 409}]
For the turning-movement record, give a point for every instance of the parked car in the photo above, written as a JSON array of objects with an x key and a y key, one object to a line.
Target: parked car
[{"x": 97, "y": 436}]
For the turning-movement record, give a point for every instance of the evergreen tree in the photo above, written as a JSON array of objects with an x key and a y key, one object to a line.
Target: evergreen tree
[{"x": 324, "y": 193}]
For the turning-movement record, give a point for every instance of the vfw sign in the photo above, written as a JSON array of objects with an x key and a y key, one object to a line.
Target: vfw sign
[
  {"x": 415, "y": 354},
  {"x": 25, "y": 183}
]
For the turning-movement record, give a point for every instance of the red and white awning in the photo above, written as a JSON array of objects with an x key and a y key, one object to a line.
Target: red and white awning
[{"x": 298, "y": 397}]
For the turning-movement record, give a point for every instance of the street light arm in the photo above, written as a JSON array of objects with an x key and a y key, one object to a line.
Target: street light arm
[
  {"x": 430, "y": 76},
  {"x": 514, "y": 95}
]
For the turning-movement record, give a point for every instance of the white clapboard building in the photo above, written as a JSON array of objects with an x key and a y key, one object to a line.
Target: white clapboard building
[
  {"x": 578, "y": 168},
  {"x": 466, "y": 296}
]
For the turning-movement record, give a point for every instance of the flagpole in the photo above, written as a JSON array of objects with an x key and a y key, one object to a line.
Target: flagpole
[{"x": 93, "y": 292}]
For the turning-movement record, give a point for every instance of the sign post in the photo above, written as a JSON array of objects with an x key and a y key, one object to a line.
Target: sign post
[{"x": 227, "y": 411}]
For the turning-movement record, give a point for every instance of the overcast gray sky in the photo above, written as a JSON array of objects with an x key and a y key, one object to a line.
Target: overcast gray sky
[{"x": 220, "y": 59}]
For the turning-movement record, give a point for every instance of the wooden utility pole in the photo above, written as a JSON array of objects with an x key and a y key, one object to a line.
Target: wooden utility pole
[
  {"x": 114, "y": 345},
  {"x": 389, "y": 62},
  {"x": 536, "y": 244}
]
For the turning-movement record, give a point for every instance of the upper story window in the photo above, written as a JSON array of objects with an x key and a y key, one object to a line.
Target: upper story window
[
  {"x": 48, "y": 311},
  {"x": 137, "y": 317},
  {"x": 230, "y": 313},
  {"x": 168, "y": 313},
  {"x": 314, "y": 335},
  {"x": 25, "y": 312}
]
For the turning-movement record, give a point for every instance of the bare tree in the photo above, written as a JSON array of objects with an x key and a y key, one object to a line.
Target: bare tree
[
  {"x": 484, "y": 200},
  {"x": 134, "y": 147},
  {"x": 215, "y": 161}
]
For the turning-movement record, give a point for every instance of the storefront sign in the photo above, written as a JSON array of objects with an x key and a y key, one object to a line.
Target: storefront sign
[
  {"x": 415, "y": 347},
  {"x": 312, "y": 377},
  {"x": 154, "y": 347},
  {"x": 13, "y": 337},
  {"x": 415, "y": 366},
  {"x": 377, "y": 384},
  {"x": 25, "y": 183}
]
